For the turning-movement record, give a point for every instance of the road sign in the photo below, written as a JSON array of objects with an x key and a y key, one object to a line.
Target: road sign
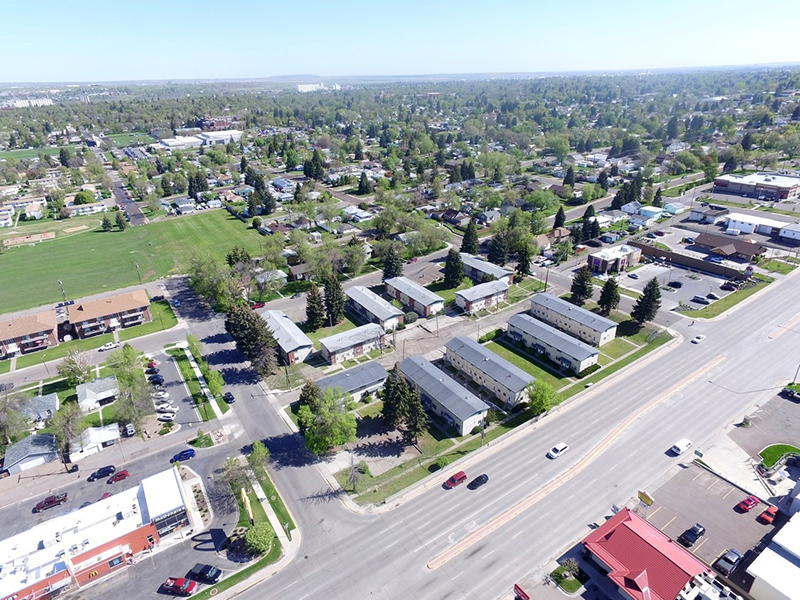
[
  {"x": 698, "y": 454},
  {"x": 520, "y": 593},
  {"x": 645, "y": 498}
]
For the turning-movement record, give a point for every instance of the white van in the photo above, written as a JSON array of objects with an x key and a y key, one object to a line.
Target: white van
[
  {"x": 681, "y": 446},
  {"x": 557, "y": 450}
]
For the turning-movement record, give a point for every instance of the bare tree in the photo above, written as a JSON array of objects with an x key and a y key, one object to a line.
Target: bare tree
[
  {"x": 75, "y": 367},
  {"x": 12, "y": 423},
  {"x": 67, "y": 424},
  {"x": 353, "y": 473}
]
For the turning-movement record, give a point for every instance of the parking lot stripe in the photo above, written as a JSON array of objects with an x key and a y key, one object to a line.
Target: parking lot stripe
[
  {"x": 696, "y": 548},
  {"x": 698, "y": 475},
  {"x": 713, "y": 483},
  {"x": 654, "y": 513},
  {"x": 728, "y": 493},
  {"x": 667, "y": 523}
]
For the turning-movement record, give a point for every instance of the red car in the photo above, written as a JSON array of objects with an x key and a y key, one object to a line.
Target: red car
[
  {"x": 258, "y": 305},
  {"x": 151, "y": 363},
  {"x": 455, "y": 480},
  {"x": 748, "y": 504},
  {"x": 118, "y": 476},
  {"x": 106, "y": 495},
  {"x": 180, "y": 586},
  {"x": 768, "y": 516}
]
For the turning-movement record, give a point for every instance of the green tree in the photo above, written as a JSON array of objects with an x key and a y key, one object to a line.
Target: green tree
[
  {"x": 541, "y": 397},
  {"x": 730, "y": 164},
  {"x": 560, "y": 218},
  {"x": 259, "y": 455},
  {"x": 84, "y": 197},
  {"x": 470, "y": 243},
  {"x": 122, "y": 224},
  {"x": 453, "y": 269},
  {"x": 236, "y": 256},
  {"x": 67, "y": 424},
  {"x": 563, "y": 250},
  {"x": 75, "y": 367},
  {"x": 393, "y": 396},
  {"x": 13, "y": 425},
  {"x": 524, "y": 261},
  {"x": 107, "y": 226},
  {"x": 63, "y": 157},
  {"x": 315, "y": 309},
  {"x": 354, "y": 257},
  {"x": 609, "y": 297},
  {"x": 259, "y": 538},
  {"x": 657, "y": 199},
  {"x": 588, "y": 213},
  {"x": 498, "y": 250},
  {"x": 253, "y": 338},
  {"x": 392, "y": 264},
  {"x": 582, "y": 288},
  {"x": 310, "y": 395},
  {"x": 569, "y": 178},
  {"x": 364, "y": 185},
  {"x": 331, "y": 424},
  {"x": 649, "y": 302},
  {"x": 334, "y": 301},
  {"x": 415, "y": 419}
]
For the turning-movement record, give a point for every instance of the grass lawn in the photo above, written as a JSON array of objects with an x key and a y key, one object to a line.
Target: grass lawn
[
  {"x": 274, "y": 498},
  {"x": 163, "y": 318},
  {"x": 206, "y": 412},
  {"x": 202, "y": 441},
  {"x": 5, "y": 366},
  {"x": 777, "y": 266},
  {"x": 526, "y": 365},
  {"x": 448, "y": 294},
  {"x": 60, "y": 387},
  {"x": 316, "y": 336},
  {"x": 524, "y": 289},
  {"x": 110, "y": 414},
  {"x": 60, "y": 351},
  {"x": 616, "y": 348},
  {"x": 25, "y": 153},
  {"x": 772, "y": 454},
  {"x": 726, "y": 302},
  {"x": 130, "y": 139},
  {"x": 279, "y": 380},
  {"x": 603, "y": 359},
  {"x": 371, "y": 410},
  {"x": 95, "y": 261},
  {"x": 571, "y": 584}
]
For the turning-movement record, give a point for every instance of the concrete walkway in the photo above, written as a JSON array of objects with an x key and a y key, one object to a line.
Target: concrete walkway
[{"x": 203, "y": 385}]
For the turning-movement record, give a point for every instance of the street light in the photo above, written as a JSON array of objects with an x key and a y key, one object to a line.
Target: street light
[
  {"x": 63, "y": 293},
  {"x": 138, "y": 272}
]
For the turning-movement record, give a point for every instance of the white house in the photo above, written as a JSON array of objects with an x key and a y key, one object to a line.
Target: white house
[
  {"x": 97, "y": 393},
  {"x": 93, "y": 440},
  {"x": 632, "y": 208},
  {"x": 675, "y": 208},
  {"x": 354, "y": 342},
  {"x": 481, "y": 296},
  {"x": 564, "y": 350},
  {"x": 371, "y": 307},
  {"x": 651, "y": 211},
  {"x": 413, "y": 296},
  {"x": 293, "y": 344}
]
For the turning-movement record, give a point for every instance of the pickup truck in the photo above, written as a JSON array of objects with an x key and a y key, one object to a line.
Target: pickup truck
[
  {"x": 180, "y": 586},
  {"x": 205, "y": 573},
  {"x": 50, "y": 502}
]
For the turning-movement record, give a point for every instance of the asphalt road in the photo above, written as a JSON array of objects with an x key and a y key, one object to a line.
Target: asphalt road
[{"x": 124, "y": 201}]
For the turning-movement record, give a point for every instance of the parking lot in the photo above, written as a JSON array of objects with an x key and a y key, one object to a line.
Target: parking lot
[
  {"x": 695, "y": 495},
  {"x": 692, "y": 284}
]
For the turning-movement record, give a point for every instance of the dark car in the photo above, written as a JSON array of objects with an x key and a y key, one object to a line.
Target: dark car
[
  {"x": 296, "y": 295},
  {"x": 205, "y": 573},
  {"x": 675, "y": 284},
  {"x": 728, "y": 287},
  {"x": 183, "y": 455},
  {"x": 659, "y": 233},
  {"x": 228, "y": 397},
  {"x": 118, "y": 477},
  {"x": 478, "y": 482},
  {"x": 729, "y": 561},
  {"x": 157, "y": 298},
  {"x": 156, "y": 378},
  {"x": 102, "y": 472},
  {"x": 691, "y": 535},
  {"x": 152, "y": 371}
]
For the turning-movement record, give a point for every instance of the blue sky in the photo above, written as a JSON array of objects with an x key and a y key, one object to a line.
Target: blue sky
[{"x": 94, "y": 40}]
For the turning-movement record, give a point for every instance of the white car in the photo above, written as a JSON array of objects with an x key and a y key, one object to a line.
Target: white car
[
  {"x": 161, "y": 395},
  {"x": 166, "y": 407},
  {"x": 557, "y": 450},
  {"x": 167, "y": 417},
  {"x": 109, "y": 346},
  {"x": 698, "y": 338}
]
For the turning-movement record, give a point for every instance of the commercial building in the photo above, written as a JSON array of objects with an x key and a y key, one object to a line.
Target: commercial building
[
  {"x": 359, "y": 381},
  {"x": 90, "y": 543},
  {"x": 754, "y": 224},
  {"x": 776, "y": 569},
  {"x": 708, "y": 214},
  {"x": 478, "y": 269},
  {"x": 97, "y": 393},
  {"x": 180, "y": 142},
  {"x": 443, "y": 396},
  {"x": 481, "y": 296},
  {"x": 764, "y": 186},
  {"x": 293, "y": 345},
  {"x": 352, "y": 343},
  {"x": 503, "y": 379},
  {"x": 28, "y": 333},
  {"x": 790, "y": 232},
  {"x": 560, "y": 348},
  {"x": 725, "y": 245},
  {"x": 30, "y": 452},
  {"x": 579, "y": 322},
  {"x": 215, "y": 138},
  {"x": 413, "y": 296},
  {"x": 112, "y": 312},
  {"x": 371, "y": 307},
  {"x": 640, "y": 560},
  {"x": 614, "y": 259}
]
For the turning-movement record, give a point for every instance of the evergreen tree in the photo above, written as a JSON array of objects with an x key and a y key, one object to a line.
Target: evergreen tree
[
  {"x": 498, "y": 250},
  {"x": 582, "y": 287},
  {"x": 602, "y": 180},
  {"x": 166, "y": 186},
  {"x": 657, "y": 200},
  {"x": 317, "y": 165},
  {"x": 576, "y": 233},
  {"x": 334, "y": 301},
  {"x": 586, "y": 230},
  {"x": 588, "y": 213},
  {"x": 315, "y": 309},
  {"x": 730, "y": 164},
  {"x": 107, "y": 226},
  {"x": 453, "y": 269},
  {"x": 310, "y": 395},
  {"x": 560, "y": 218},
  {"x": 359, "y": 151},
  {"x": 524, "y": 260},
  {"x": 392, "y": 264},
  {"x": 253, "y": 338},
  {"x": 672, "y": 128},
  {"x": 747, "y": 141},
  {"x": 618, "y": 200},
  {"x": 63, "y": 157},
  {"x": 796, "y": 113},
  {"x": 609, "y": 297},
  {"x": 470, "y": 244},
  {"x": 415, "y": 419},
  {"x": 569, "y": 178},
  {"x": 121, "y": 222},
  {"x": 364, "y": 186},
  {"x": 392, "y": 394},
  {"x": 649, "y": 302},
  {"x": 243, "y": 165},
  {"x": 268, "y": 206},
  {"x": 594, "y": 231}
]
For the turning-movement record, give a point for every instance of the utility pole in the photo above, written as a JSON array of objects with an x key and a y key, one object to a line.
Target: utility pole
[
  {"x": 63, "y": 293},
  {"x": 546, "y": 277},
  {"x": 138, "y": 272}
]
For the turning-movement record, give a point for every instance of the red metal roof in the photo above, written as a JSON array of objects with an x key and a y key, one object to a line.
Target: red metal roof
[{"x": 644, "y": 562}]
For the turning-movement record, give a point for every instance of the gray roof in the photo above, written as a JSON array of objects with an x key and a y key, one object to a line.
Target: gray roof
[
  {"x": 357, "y": 378},
  {"x": 473, "y": 262},
  {"x": 570, "y": 311},
  {"x": 286, "y": 333},
  {"x": 352, "y": 337},
  {"x": 483, "y": 359},
  {"x": 274, "y": 275},
  {"x": 372, "y": 303},
  {"x": 99, "y": 388},
  {"x": 40, "y": 408},
  {"x": 414, "y": 290},
  {"x": 551, "y": 336},
  {"x": 33, "y": 445},
  {"x": 482, "y": 290},
  {"x": 458, "y": 401}
]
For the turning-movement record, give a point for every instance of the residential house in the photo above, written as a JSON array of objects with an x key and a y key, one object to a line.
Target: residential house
[
  {"x": 575, "y": 320},
  {"x": 615, "y": 259},
  {"x": 302, "y": 222},
  {"x": 488, "y": 217},
  {"x": 359, "y": 382},
  {"x": 708, "y": 214},
  {"x": 274, "y": 279},
  {"x": 640, "y": 222},
  {"x": 675, "y": 208},
  {"x": 652, "y": 212},
  {"x": 93, "y": 440},
  {"x": 30, "y": 452},
  {"x": 111, "y": 312},
  {"x": 214, "y": 203},
  {"x": 542, "y": 242},
  {"x": 413, "y": 296},
  {"x": 443, "y": 396},
  {"x": 558, "y": 235},
  {"x": 507, "y": 382},
  {"x": 6, "y": 216},
  {"x": 355, "y": 214},
  {"x": 77, "y": 210},
  {"x": 28, "y": 333},
  {"x": 616, "y": 215},
  {"x": 97, "y": 393},
  {"x": 283, "y": 185},
  {"x": 293, "y": 345},
  {"x": 602, "y": 220},
  {"x": 185, "y": 206},
  {"x": 482, "y": 296},
  {"x": 245, "y": 191},
  {"x": 564, "y": 350},
  {"x": 632, "y": 208},
  {"x": 40, "y": 409},
  {"x": 33, "y": 212},
  {"x": 372, "y": 308},
  {"x": 352, "y": 343},
  {"x": 480, "y": 270},
  {"x": 456, "y": 218},
  {"x": 728, "y": 246},
  {"x": 299, "y": 272}
]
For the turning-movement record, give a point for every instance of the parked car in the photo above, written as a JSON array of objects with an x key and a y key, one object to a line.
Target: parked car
[
  {"x": 651, "y": 235},
  {"x": 85, "y": 504},
  {"x": 768, "y": 516},
  {"x": 108, "y": 346},
  {"x": 728, "y": 287},
  {"x": 258, "y": 305},
  {"x": 205, "y": 573},
  {"x": 701, "y": 300},
  {"x": 689, "y": 240},
  {"x": 102, "y": 472},
  {"x": 228, "y": 397},
  {"x": 130, "y": 430},
  {"x": 167, "y": 417},
  {"x": 157, "y": 298},
  {"x": 151, "y": 363},
  {"x": 180, "y": 586},
  {"x": 748, "y": 504},
  {"x": 712, "y": 296},
  {"x": 455, "y": 480},
  {"x": 729, "y": 561},
  {"x": 633, "y": 275},
  {"x": 106, "y": 495},
  {"x": 183, "y": 455},
  {"x": 717, "y": 260},
  {"x": 698, "y": 338},
  {"x": 176, "y": 302},
  {"x": 478, "y": 482},
  {"x": 296, "y": 295},
  {"x": 659, "y": 233},
  {"x": 156, "y": 378},
  {"x": 166, "y": 407},
  {"x": 689, "y": 537},
  {"x": 50, "y": 502},
  {"x": 119, "y": 476},
  {"x": 675, "y": 284},
  {"x": 557, "y": 450},
  {"x": 162, "y": 395}
]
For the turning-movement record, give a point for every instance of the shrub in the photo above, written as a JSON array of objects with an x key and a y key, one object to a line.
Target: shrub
[
  {"x": 442, "y": 462},
  {"x": 410, "y": 317},
  {"x": 363, "y": 468},
  {"x": 493, "y": 416},
  {"x": 259, "y": 538},
  {"x": 401, "y": 326},
  {"x": 475, "y": 430},
  {"x": 490, "y": 336}
]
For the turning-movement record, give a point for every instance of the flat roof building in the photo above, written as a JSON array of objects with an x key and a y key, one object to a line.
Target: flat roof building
[
  {"x": 562, "y": 349},
  {"x": 359, "y": 381},
  {"x": 477, "y": 269},
  {"x": 481, "y": 296},
  {"x": 112, "y": 312},
  {"x": 776, "y": 569},
  {"x": 442, "y": 395},
  {"x": 614, "y": 259},
  {"x": 506, "y": 381},
  {"x": 28, "y": 333},
  {"x": 765, "y": 186},
  {"x": 577, "y": 321},
  {"x": 413, "y": 296},
  {"x": 372, "y": 308},
  {"x": 214, "y": 138},
  {"x": 754, "y": 224},
  {"x": 352, "y": 343},
  {"x": 293, "y": 345}
]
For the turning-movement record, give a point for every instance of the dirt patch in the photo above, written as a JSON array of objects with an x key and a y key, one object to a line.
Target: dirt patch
[
  {"x": 74, "y": 229},
  {"x": 380, "y": 448},
  {"x": 29, "y": 239},
  {"x": 202, "y": 504}
]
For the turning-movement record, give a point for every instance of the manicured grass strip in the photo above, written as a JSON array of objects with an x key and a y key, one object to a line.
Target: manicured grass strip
[
  {"x": 448, "y": 294},
  {"x": 726, "y": 302},
  {"x": 370, "y": 411},
  {"x": 274, "y": 498},
  {"x": 316, "y": 336},
  {"x": 163, "y": 318},
  {"x": 618, "y": 347},
  {"x": 60, "y": 351},
  {"x": 26, "y": 153},
  {"x": 778, "y": 266},
  {"x": 516, "y": 358},
  {"x": 202, "y": 441},
  {"x": 5, "y": 366},
  {"x": 571, "y": 585},
  {"x": 192, "y": 383},
  {"x": 772, "y": 454}
]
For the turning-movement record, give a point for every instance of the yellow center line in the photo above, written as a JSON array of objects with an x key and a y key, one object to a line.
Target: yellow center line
[{"x": 526, "y": 503}]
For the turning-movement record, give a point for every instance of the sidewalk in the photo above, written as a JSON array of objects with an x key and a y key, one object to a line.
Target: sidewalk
[{"x": 203, "y": 385}]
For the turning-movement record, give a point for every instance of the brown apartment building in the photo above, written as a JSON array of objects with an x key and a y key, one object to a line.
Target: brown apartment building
[
  {"x": 27, "y": 334},
  {"x": 113, "y": 312}
]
